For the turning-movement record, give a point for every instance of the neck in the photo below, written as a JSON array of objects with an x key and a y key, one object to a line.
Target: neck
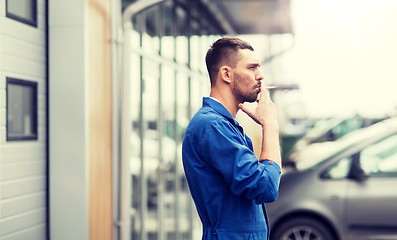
[{"x": 227, "y": 100}]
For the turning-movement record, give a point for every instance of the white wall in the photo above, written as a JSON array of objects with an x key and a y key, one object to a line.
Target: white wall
[
  {"x": 68, "y": 116},
  {"x": 23, "y": 177}
]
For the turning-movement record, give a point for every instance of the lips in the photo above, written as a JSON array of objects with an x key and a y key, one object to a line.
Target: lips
[{"x": 258, "y": 86}]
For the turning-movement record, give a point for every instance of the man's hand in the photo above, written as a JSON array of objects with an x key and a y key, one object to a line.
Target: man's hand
[{"x": 265, "y": 112}]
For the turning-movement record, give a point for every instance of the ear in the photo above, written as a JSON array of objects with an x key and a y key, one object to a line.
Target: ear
[{"x": 225, "y": 73}]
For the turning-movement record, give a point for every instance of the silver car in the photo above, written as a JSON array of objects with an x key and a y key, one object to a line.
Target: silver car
[{"x": 347, "y": 190}]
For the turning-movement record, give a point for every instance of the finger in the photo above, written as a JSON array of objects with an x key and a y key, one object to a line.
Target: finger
[
  {"x": 245, "y": 109},
  {"x": 249, "y": 111},
  {"x": 264, "y": 93},
  {"x": 248, "y": 108}
]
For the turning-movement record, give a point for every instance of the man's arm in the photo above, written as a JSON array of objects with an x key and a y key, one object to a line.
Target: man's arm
[
  {"x": 265, "y": 113},
  {"x": 226, "y": 152}
]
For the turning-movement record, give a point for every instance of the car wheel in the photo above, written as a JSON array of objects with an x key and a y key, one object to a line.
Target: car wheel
[{"x": 302, "y": 228}]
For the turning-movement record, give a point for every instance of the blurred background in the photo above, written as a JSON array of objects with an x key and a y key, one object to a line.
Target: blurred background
[{"x": 96, "y": 96}]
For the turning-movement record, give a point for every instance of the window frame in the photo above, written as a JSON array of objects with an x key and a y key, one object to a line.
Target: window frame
[
  {"x": 34, "y": 120},
  {"x": 379, "y": 174},
  {"x": 357, "y": 150},
  {"x": 31, "y": 22}
]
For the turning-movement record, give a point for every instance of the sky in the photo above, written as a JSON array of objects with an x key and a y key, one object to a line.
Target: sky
[{"x": 344, "y": 56}]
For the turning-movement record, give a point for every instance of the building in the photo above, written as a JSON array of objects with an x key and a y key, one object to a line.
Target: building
[{"x": 94, "y": 99}]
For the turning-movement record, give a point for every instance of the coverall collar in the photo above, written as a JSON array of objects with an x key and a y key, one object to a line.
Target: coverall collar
[{"x": 217, "y": 106}]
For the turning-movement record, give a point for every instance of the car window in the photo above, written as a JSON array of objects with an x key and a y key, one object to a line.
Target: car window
[
  {"x": 376, "y": 160},
  {"x": 380, "y": 159},
  {"x": 340, "y": 170},
  {"x": 347, "y": 126}
]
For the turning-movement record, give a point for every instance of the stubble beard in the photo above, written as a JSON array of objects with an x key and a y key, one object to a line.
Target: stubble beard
[{"x": 243, "y": 93}]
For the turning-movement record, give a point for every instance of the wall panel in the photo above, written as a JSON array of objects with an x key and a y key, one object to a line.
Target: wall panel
[
  {"x": 23, "y": 165},
  {"x": 16, "y": 224},
  {"x": 100, "y": 105}
]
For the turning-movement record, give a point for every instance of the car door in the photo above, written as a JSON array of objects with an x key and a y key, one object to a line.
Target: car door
[{"x": 372, "y": 192}]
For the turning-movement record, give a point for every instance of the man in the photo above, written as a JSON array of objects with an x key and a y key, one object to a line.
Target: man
[{"x": 228, "y": 183}]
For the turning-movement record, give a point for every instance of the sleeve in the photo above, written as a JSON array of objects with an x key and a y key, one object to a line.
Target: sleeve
[{"x": 227, "y": 153}]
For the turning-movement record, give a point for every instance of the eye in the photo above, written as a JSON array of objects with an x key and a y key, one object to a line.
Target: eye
[{"x": 254, "y": 67}]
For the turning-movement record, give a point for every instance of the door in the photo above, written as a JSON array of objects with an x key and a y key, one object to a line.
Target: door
[{"x": 372, "y": 199}]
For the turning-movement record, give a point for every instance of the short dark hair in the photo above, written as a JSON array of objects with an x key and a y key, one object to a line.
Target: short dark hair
[{"x": 224, "y": 51}]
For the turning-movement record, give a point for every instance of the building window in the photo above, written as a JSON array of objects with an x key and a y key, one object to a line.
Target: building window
[
  {"x": 21, "y": 110},
  {"x": 22, "y": 10}
]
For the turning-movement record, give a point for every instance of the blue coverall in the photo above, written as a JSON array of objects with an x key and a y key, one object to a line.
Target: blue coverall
[{"x": 227, "y": 182}]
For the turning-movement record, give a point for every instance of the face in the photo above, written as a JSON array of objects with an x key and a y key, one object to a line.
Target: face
[{"x": 246, "y": 77}]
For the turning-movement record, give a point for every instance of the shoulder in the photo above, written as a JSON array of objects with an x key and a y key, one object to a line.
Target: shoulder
[{"x": 206, "y": 118}]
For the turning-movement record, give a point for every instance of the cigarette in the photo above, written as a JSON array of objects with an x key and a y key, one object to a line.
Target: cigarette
[{"x": 271, "y": 87}]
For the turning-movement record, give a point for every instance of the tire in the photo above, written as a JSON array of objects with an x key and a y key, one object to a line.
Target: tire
[{"x": 302, "y": 228}]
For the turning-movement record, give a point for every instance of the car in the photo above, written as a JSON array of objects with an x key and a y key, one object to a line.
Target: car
[
  {"x": 346, "y": 191},
  {"x": 325, "y": 130}
]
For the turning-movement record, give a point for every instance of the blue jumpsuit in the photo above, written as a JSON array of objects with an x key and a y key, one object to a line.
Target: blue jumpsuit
[{"x": 226, "y": 181}]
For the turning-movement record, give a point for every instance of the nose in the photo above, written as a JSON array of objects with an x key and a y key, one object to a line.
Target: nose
[{"x": 259, "y": 75}]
